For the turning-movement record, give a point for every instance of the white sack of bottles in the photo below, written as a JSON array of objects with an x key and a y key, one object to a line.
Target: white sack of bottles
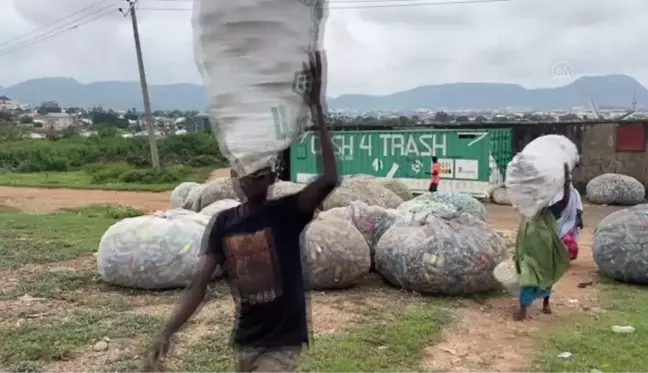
[
  {"x": 251, "y": 55},
  {"x": 536, "y": 174}
]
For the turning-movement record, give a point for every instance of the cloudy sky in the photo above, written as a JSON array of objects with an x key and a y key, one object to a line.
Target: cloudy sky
[{"x": 373, "y": 47}]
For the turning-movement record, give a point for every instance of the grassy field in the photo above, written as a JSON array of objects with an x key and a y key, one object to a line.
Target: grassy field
[
  {"x": 593, "y": 344},
  {"x": 58, "y": 315},
  {"x": 82, "y": 180}
]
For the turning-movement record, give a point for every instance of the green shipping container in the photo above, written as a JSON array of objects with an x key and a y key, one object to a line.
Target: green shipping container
[{"x": 472, "y": 161}]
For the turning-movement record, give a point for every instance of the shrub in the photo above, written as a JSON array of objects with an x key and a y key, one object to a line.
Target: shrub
[
  {"x": 125, "y": 173},
  {"x": 193, "y": 149}
]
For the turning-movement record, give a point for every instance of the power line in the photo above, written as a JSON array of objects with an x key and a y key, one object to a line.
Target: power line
[
  {"x": 410, "y": 3},
  {"x": 9, "y": 41},
  {"x": 329, "y": 2},
  {"x": 93, "y": 16}
]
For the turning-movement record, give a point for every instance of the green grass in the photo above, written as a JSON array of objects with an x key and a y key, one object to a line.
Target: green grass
[
  {"x": 63, "y": 235},
  {"x": 592, "y": 342},
  {"x": 52, "y": 284},
  {"x": 82, "y": 180},
  {"x": 29, "y": 346},
  {"x": 380, "y": 343}
]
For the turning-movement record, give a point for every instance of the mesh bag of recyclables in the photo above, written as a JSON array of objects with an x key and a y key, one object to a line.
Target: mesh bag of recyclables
[
  {"x": 620, "y": 245},
  {"x": 615, "y": 189},
  {"x": 343, "y": 213},
  {"x": 337, "y": 255},
  {"x": 150, "y": 252},
  {"x": 370, "y": 221},
  {"x": 251, "y": 56},
  {"x": 424, "y": 206},
  {"x": 453, "y": 256},
  {"x": 284, "y": 188},
  {"x": 500, "y": 197},
  {"x": 205, "y": 195},
  {"x": 394, "y": 185},
  {"x": 359, "y": 190},
  {"x": 536, "y": 175},
  {"x": 463, "y": 202},
  {"x": 181, "y": 192},
  {"x": 219, "y": 206},
  {"x": 184, "y": 214}
]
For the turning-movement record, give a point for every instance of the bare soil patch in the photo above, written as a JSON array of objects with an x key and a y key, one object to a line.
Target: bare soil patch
[{"x": 37, "y": 200}]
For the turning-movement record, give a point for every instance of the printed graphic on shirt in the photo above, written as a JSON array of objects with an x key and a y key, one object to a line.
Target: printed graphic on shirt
[{"x": 253, "y": 266}]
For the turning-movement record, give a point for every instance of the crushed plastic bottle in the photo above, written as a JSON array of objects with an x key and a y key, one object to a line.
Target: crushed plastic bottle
[{"x": 623, "y": 329}]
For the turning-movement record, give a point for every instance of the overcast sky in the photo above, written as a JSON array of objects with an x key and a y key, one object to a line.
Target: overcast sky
[{"x": 370, "y": 50}]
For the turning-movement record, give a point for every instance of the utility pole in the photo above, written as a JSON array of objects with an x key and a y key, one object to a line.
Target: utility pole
[{"x": 148, "y": 116}]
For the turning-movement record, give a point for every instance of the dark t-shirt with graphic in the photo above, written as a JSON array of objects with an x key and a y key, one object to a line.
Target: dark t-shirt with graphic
[{"x": 262, "y": 258}]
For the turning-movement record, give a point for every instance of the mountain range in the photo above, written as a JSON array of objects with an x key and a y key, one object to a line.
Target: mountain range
[{"x": 605, "y": 90}]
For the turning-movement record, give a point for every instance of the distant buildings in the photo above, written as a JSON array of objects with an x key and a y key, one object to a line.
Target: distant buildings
[
  {"x": 57, "y": 121},
  {"x": 8, "y": 104}
]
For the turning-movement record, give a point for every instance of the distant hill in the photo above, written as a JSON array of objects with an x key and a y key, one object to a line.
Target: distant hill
[{"x": 606, "y": 90}]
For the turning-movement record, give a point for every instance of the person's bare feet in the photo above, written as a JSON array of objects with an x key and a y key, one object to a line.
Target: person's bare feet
[
  {"x": 546, "y": 308},
  {"x": 520, "y": 313}
]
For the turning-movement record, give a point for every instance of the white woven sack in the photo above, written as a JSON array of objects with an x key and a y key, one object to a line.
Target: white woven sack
[{"x": 251, "y": 56}]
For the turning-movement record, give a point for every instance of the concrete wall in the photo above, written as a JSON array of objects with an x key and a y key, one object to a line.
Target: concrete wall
[{"x": 599, "y": 156}]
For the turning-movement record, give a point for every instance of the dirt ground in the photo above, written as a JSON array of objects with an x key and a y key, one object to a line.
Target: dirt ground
[{"x": 484, "y": 338}]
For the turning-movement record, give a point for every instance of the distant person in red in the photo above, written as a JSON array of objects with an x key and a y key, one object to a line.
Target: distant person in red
[{"x": 436, "y": 175}]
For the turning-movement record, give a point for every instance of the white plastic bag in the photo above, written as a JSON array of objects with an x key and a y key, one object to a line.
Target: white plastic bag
[
  {"x": 536, "y": 175},
  {"x": 251, "y": 55}
]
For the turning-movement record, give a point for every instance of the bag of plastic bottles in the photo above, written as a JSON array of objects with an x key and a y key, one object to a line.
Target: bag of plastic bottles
[
  {"x": 536, "y": 175},
  {"x": 251, "y": 55}
]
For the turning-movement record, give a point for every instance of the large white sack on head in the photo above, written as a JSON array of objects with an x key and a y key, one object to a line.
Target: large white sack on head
[
  {"x": 536, "y": 174},
  {"x": 209, "y": 193},
  {"x": 251, "y": 56},
  {"x": 454, "y": 256},
  {"x": 150, "y": 252},
  {"x": 181, "y": 192},
  {"x": 358, "y": 190},
  {"x": 219, "y": 206},
  {"x": 398, "y": 187},
  {"x": 337, "y": 255},
  {"x": 620, "y": 245},
  {"x": 615, "y": 189}
]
